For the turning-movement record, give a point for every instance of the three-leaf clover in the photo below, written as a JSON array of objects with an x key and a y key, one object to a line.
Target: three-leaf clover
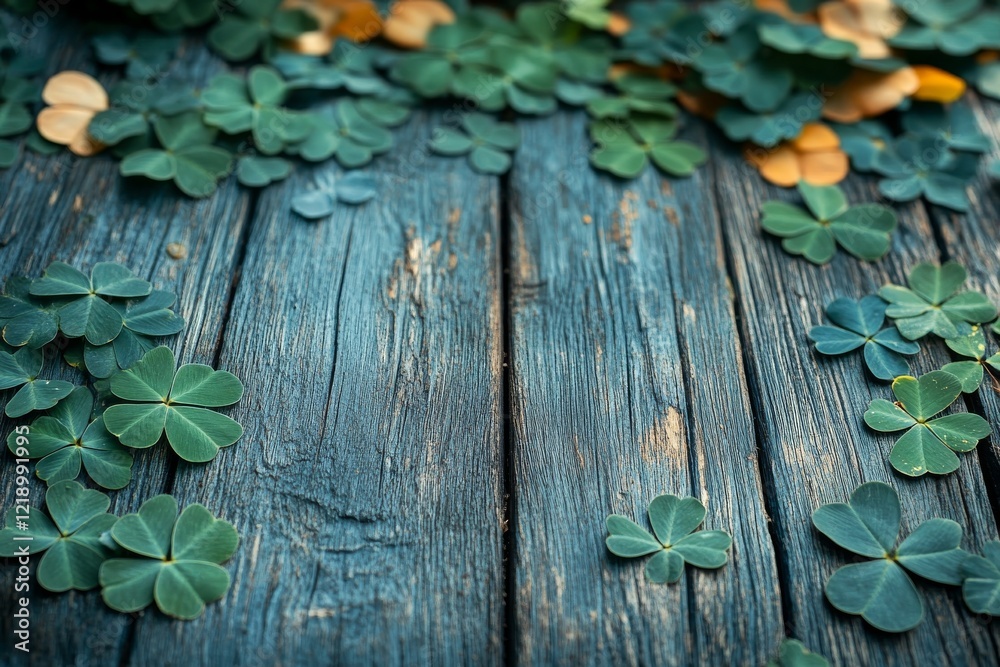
[
  {"x": 143, "y": 54},
  {"x": 864, "y": 230},
  {"x": 353, "y": 188},
  {"x": 917, "y": 166},
  {"x": 933, "y": 304},
  {"x": 793, "y": 653},
  {"x": 187, "y": 158},
  {"x": 636, "y": 93},
  {"x": 257, "y": 25},
  {"x": 624, "y": 148},
  {"x": 69, "y": 437},
  {"x": 164, "y": 398},
  {"x": 880, "y": 590},
  {"x": 256, "y": 171},
  {"x": 768, "y": 128},
  {"x": 70, "y": 539},
  {"x": 87, "y": 313},
  {"x": 929, "y": 444},
  {"x": 863, "y": 141},
  {"x": 172, "y": 560},
  {"x": 485, "y": 141},
  {"x": 674, "y": 521},
  {"x": 433, "y": 71},
  {"x": 21, "y": 369},
  {"x": 23, "y": 318},
  {"x": 971, "y": 343},
  {"x": 955, "y": 126},
  {"x": 981, "y": 587},
  {"x": 859, "y": 324},
  {"x": 956, "y": 27}
]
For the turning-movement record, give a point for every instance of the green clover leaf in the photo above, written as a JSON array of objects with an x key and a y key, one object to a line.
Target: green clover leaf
[
  {"x": 802, "y": 39},
  {"x": 953, "y": 126},
  {"x": 591, "y": 13},
  {"x": 956, "y": 27},
  {"x": 185, "y": 14},
  {"x": 23, "y": 318},
  {"x": 255, "y": 171},
  {"x": 584, "y": 58},
  {"x": 485, "y": 141},
  {"x": 143, "y": 53},
  {"x": 14, "y": 119},
  {"x": 859, "y": 324},
  {"x": 637, "y": 93},
  {"x": 793, "y": 653},
  {"x": 769, "y": 128},
  {"x": 624, "y": 148},
  {"x": 187, "y": 158},
  {"x": 347, "y": 67},
  {"x": 522, "y": 76},
  {"x": 880, "y": 590},
  {"x": 432, "y": 71},
  {"x": 916, "y": 166},
  {"x": 971, "y": 342},
  {"x": 257, "y": 25},
  {"x": 864, "y": 231},
  {"x": 21, "y": 369},
  {"x": 70, "y": 540},
  {"x": 172, "y": 560},
  {"x": 933, "y": 304},
  {"x": 929, "y": 445},
  {"x": 863, "y": 142},
  {"x": 67, "y": 438},
  {"x": 163, "y": 398},
  {"x": 352, "y": 188},
  {"x": 674, "y": 521},
  {"x": 659, "y": 32},
  {"x": 9, "y": 152},
  {"x": 981, "y": 587}
]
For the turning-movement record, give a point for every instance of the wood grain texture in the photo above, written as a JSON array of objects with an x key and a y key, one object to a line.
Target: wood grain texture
[
  {"x": 627, "y": 383},
  {"x": 815, "y": 445},
  {"x": 83, "y": 212},
  {"x": 367, "y": 486}
]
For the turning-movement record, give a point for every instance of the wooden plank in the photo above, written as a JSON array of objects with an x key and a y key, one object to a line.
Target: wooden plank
[
  {"x": 367, "y": 487},
  {"x": 974, "y": 240},
  {"x": 815, "y": 445},
  {"x": 83, "y": 212},
  {"x": 627, "y": 383}
]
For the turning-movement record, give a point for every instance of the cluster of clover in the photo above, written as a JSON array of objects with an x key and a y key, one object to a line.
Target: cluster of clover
[
  {"x": 808, "y": 85},
  {"x": 134, "y": 395}
]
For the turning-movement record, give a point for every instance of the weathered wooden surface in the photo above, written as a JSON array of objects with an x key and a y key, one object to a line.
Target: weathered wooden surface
[{"x": 389, "y": 513}]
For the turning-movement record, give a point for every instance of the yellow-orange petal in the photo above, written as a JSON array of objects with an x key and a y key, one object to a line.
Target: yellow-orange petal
[
  {"x": 618, "y": 24},
  {"x": 781, "y": 8},
  {"x": 315, "y": 43},
  {"x": 358, "y": 21},
  {"x": 866, "y": 94},
  {"x": 705, "y": 104},
  {"x": 816, "y": 137},
  {"x": 839, "y": 20},
  {"x": 824, "y": 167},
  {"x": 410, "y": 21},
  {"x": 84, "y": 145},
  {"x": 779, "y": 165},
  {"x": 936, "y": 85},
  {"x": 62, "y": 124},
  {"x": 75, "y": 89}
]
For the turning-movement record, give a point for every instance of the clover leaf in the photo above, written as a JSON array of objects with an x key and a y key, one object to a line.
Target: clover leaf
[
  {"x": 253, "y": 105},
  {"x": 522, "y": 76},
  {"x": 916, "y": 166},
  {"x": 320, "y": 202},
  {"x": 674, "y": 521},
  {"x": 658, "y": 32},
  {"x": 67, "y": 438},
  {"x": 143, "y": 53},
  {"x": 25, "y": 320},
  {"x": 803, "y": 39},
  {"x": 165, "y": 399},
  {"x": 954, "y": 126},
  {"x": 432, "y": 71},
  {"x": 970, "y": 342},
  {"x": 769, "y": 128},
  {"x": 933, "y": 304},
  {"x": 128, "y": 124},
  {"x": 880, "y": 590},
  {"x": 255, "y": 171},
  {"x": 981, "y": 587},
  {"x": 864, "y": 231},
  {"x": 625, "y": 148},
  {"x": 859, "y": 324},
  {"x": 171, "y": 560},
  {"x": 347, "y": 66},
  {"x": 354, "y": 132},
  {"x": 637, "y": 93},
  {"x": 21, "y": 369},
  {"x": 69, "y": 537},
  {"x": 793, "y": 653},
  {"x": 929, "y": 444},
  {"x": 994, "y": 169},
  {"x": 187, "y": 158},
  {"x": 863, "y": 141},
  {"x": 956, "y": 27},
  {"x": 257, "y": 25},
  {"x": 485, "y": 141}
]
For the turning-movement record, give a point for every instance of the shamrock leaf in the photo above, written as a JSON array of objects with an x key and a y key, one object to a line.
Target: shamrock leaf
[
  {"x": 143, "y": 53},
  {"x": 981, "y": 587},
  {"x": 637, "y": 93},
  {"x": 432, "y": 71},
  {"x": 880, "y": 590},
  {"x": 674, "y": 521},
  {"x": 802, "y": 39},
  {"x": 172, "y": 560},
  {"x": 254, "y": 106},
  {"x": 67, "y": 438},
  {"x": 187, "y": 158},
  {"x": 793, "y": 653},
  {"x": 347, "y": 66},
  {"x": 933, "y": 304},
  {"x": 769, "y": 128},
  {"x": 580, "y": 59},
  {"x": 21, "y": 369},
  {"x": 956, "y": 27},
  {"x": 70, "y": 540},
  {"x": 859, "y": 324},
  {"x": 127, "y": 125},
  {"x": 864, "y": 231},
  {"x": 164, "y": 398},
  {"x": 515, "y": 74},
  {"x": 954, "y": 126},
  {"x": 87, "y": 313},
  {"x": 658, "y": 32},
  {"x": 352, "y": 188},
  {"x": 916, "y": 166},
  {"x": 994, "y": 169},
  {"x": 863, "y": 141},
  {"x": 23, "y": 318},
  {"x": 929, "y": 445},
  {"x": 485, "y": 141},
  {"x": 257, "y": 25},
  {"x": 14, "y": 119},
  {"x": 255, "y": 171},
  {"x": 625, "y": 148},
  {"x": 970, "y": 342},
  {"x": 143, "y": 319}
]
